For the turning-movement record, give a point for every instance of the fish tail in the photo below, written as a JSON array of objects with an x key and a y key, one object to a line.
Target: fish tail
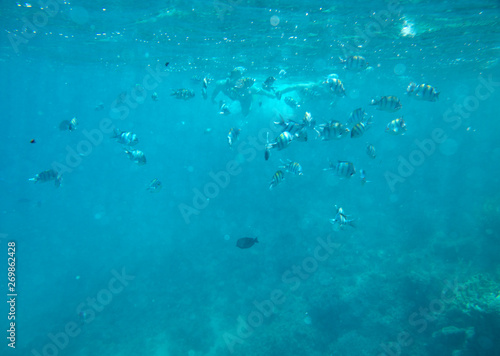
[{"x": 256, "y": 240}]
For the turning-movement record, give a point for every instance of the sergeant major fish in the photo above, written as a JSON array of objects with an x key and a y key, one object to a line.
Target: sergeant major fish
[
  {"x": 336, "y": 86},
  {"x": 184, "y": 94},
  {"x": 291, "y": 102},
  {"x": 47, "y": 176},
  {"x": 277, "y": 179},
  {"x": 422, "y": 92},
  {"x": 343, "y": 169},
  {"x": 68, "y": 125},
  {"x": 291, "y": 167},
  {"x": 396, "y": 126},
  {"x": 154, "y": 186},
  {"x": 341, "y": 219},
  {"x": 359, "y": 129},
  {"x": 355, "y": 63},
  {"x": 333, "y": 129},
  {"x": 282, "y": 141},
  {"x": 370, "y": 151},
  {"x": 387, "y": 103},
  {"x": 136, "y": 156},
  {"x": 232, "y": 136},
  {"x": 126, "y": 138}
]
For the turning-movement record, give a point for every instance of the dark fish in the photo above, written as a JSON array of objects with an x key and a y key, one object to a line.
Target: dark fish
[
  {"x": 166, "y": 64},
  {"x": 246, "y": 242},
  {"x": 32, "y": 140}
]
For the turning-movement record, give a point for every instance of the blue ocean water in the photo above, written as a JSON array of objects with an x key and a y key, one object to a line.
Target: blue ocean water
[{"x": 106, "y": 266}]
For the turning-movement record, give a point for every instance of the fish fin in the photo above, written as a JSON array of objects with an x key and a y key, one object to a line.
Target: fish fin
[
  {"x": 256, "y": 240},
  {"x": 332, "y": 221},
  {"x": 33, "y": 179},
  {"x": 437, "y": 95}
]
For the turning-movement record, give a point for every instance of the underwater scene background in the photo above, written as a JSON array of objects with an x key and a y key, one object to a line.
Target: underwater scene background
[{"x": 399, "y": 258}]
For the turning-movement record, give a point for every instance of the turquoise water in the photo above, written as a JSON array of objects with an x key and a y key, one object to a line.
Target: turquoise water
[{"x": 105, "y": 266}]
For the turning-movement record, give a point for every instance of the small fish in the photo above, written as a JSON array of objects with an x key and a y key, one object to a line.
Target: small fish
[
  {"x": 223, "y": 108},
  {"x": 244, "y": 83},
  {"x": 396, "y": 126},
  {"x": 359, "y": 129},
  {"x": 232, "y": 136},
  {"x": 277, "y": 179},
  {"x": 166, "y": 64},
  {"x": 154, "y": 186},
  {"x": 32, "y": 140},
  {"x": 422, "y": 92},
  {"x": 68, "y": 125},
  {"x": 336, "y": 86},
  {"x": 136, "y": 156},
  {"x": 246, "y": 242},
  {"x": 332, "y": 130},
  {"x": 292, "y": 167},
  {"x": 184, "y": 94},
  {"x": 268, "y": 84},
  {"x": 99, "y": 106},
  {"x": 356, "y": 116},
  {"x": 290, "y": 126},
  {"x": 341, "y": 219},
  {"x": 362, "y": 176},
  {"x": 154, "y": 96},
  {"x": 47, "y": 176},
  {"x": 355, "y": 63},
  {"x": 343, "y": 169},
  {"x": 370, "y": 151},
  {"x": 267, "y": 152},
  {"x": 204, "y": 88},
  {"x": 126, "y": 138},
  {"x": 291, "y": 102},
  {"x": 387, "y": 103},
  {"x": 308, "y": 120},
  {"x": 282, "y": 141}
]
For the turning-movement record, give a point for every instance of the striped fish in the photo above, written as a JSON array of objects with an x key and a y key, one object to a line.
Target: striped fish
[
  {"x": 277, "y": 179},
  {"x": 370, "y": 151},
  {"x": 291, "y": 102},
  {"x": 344, "y": 169},
  {"x": 332, "y": 130},
  {"x": 292, "y": 167},
  {"x": 136, "y": 156},
  {"x": 341, "y": 219},
  {"x": 282, "y": 141},
  {"x": 232, "y": 136},
  {"x": 47, "y": 176},
  {"x": 422, "y": 92},
  {"x": 336, "y": 86},
  {"x": 359, "y": 129},
  {"x": 355, "y": 63},
  {"x": 356, "y": 116},
  {"x": 290, "y": 126},
  {"x": 387, "y": 103},
  {"x": 308, "y": 120},
  {"x": 396, "y": 126}
]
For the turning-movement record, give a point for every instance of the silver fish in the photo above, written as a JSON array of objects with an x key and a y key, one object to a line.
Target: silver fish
[
  {"x": 282, "y": 141},
  {"x": 422, "y": 92},
  {"x": 370, "y": 151},
  {"x": 292, "y": 167},
  {"x": 343, "y": 169},
  {"x": 277, "y": 179},
  {"x": 387, "y": 103},
  {"x": 341, "y": 219},
  {"x": 355, "y": 63},
  {"x": 232, "y": 136},
  {"x": 154, "y": 186},
  {"x": 184, "y": 94},
  {"x": 396, "y": 126},
  {"x": 126, "y": 138},
  {"x": 47, "y": 176},
  {"x": 136, "y": 156}
]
